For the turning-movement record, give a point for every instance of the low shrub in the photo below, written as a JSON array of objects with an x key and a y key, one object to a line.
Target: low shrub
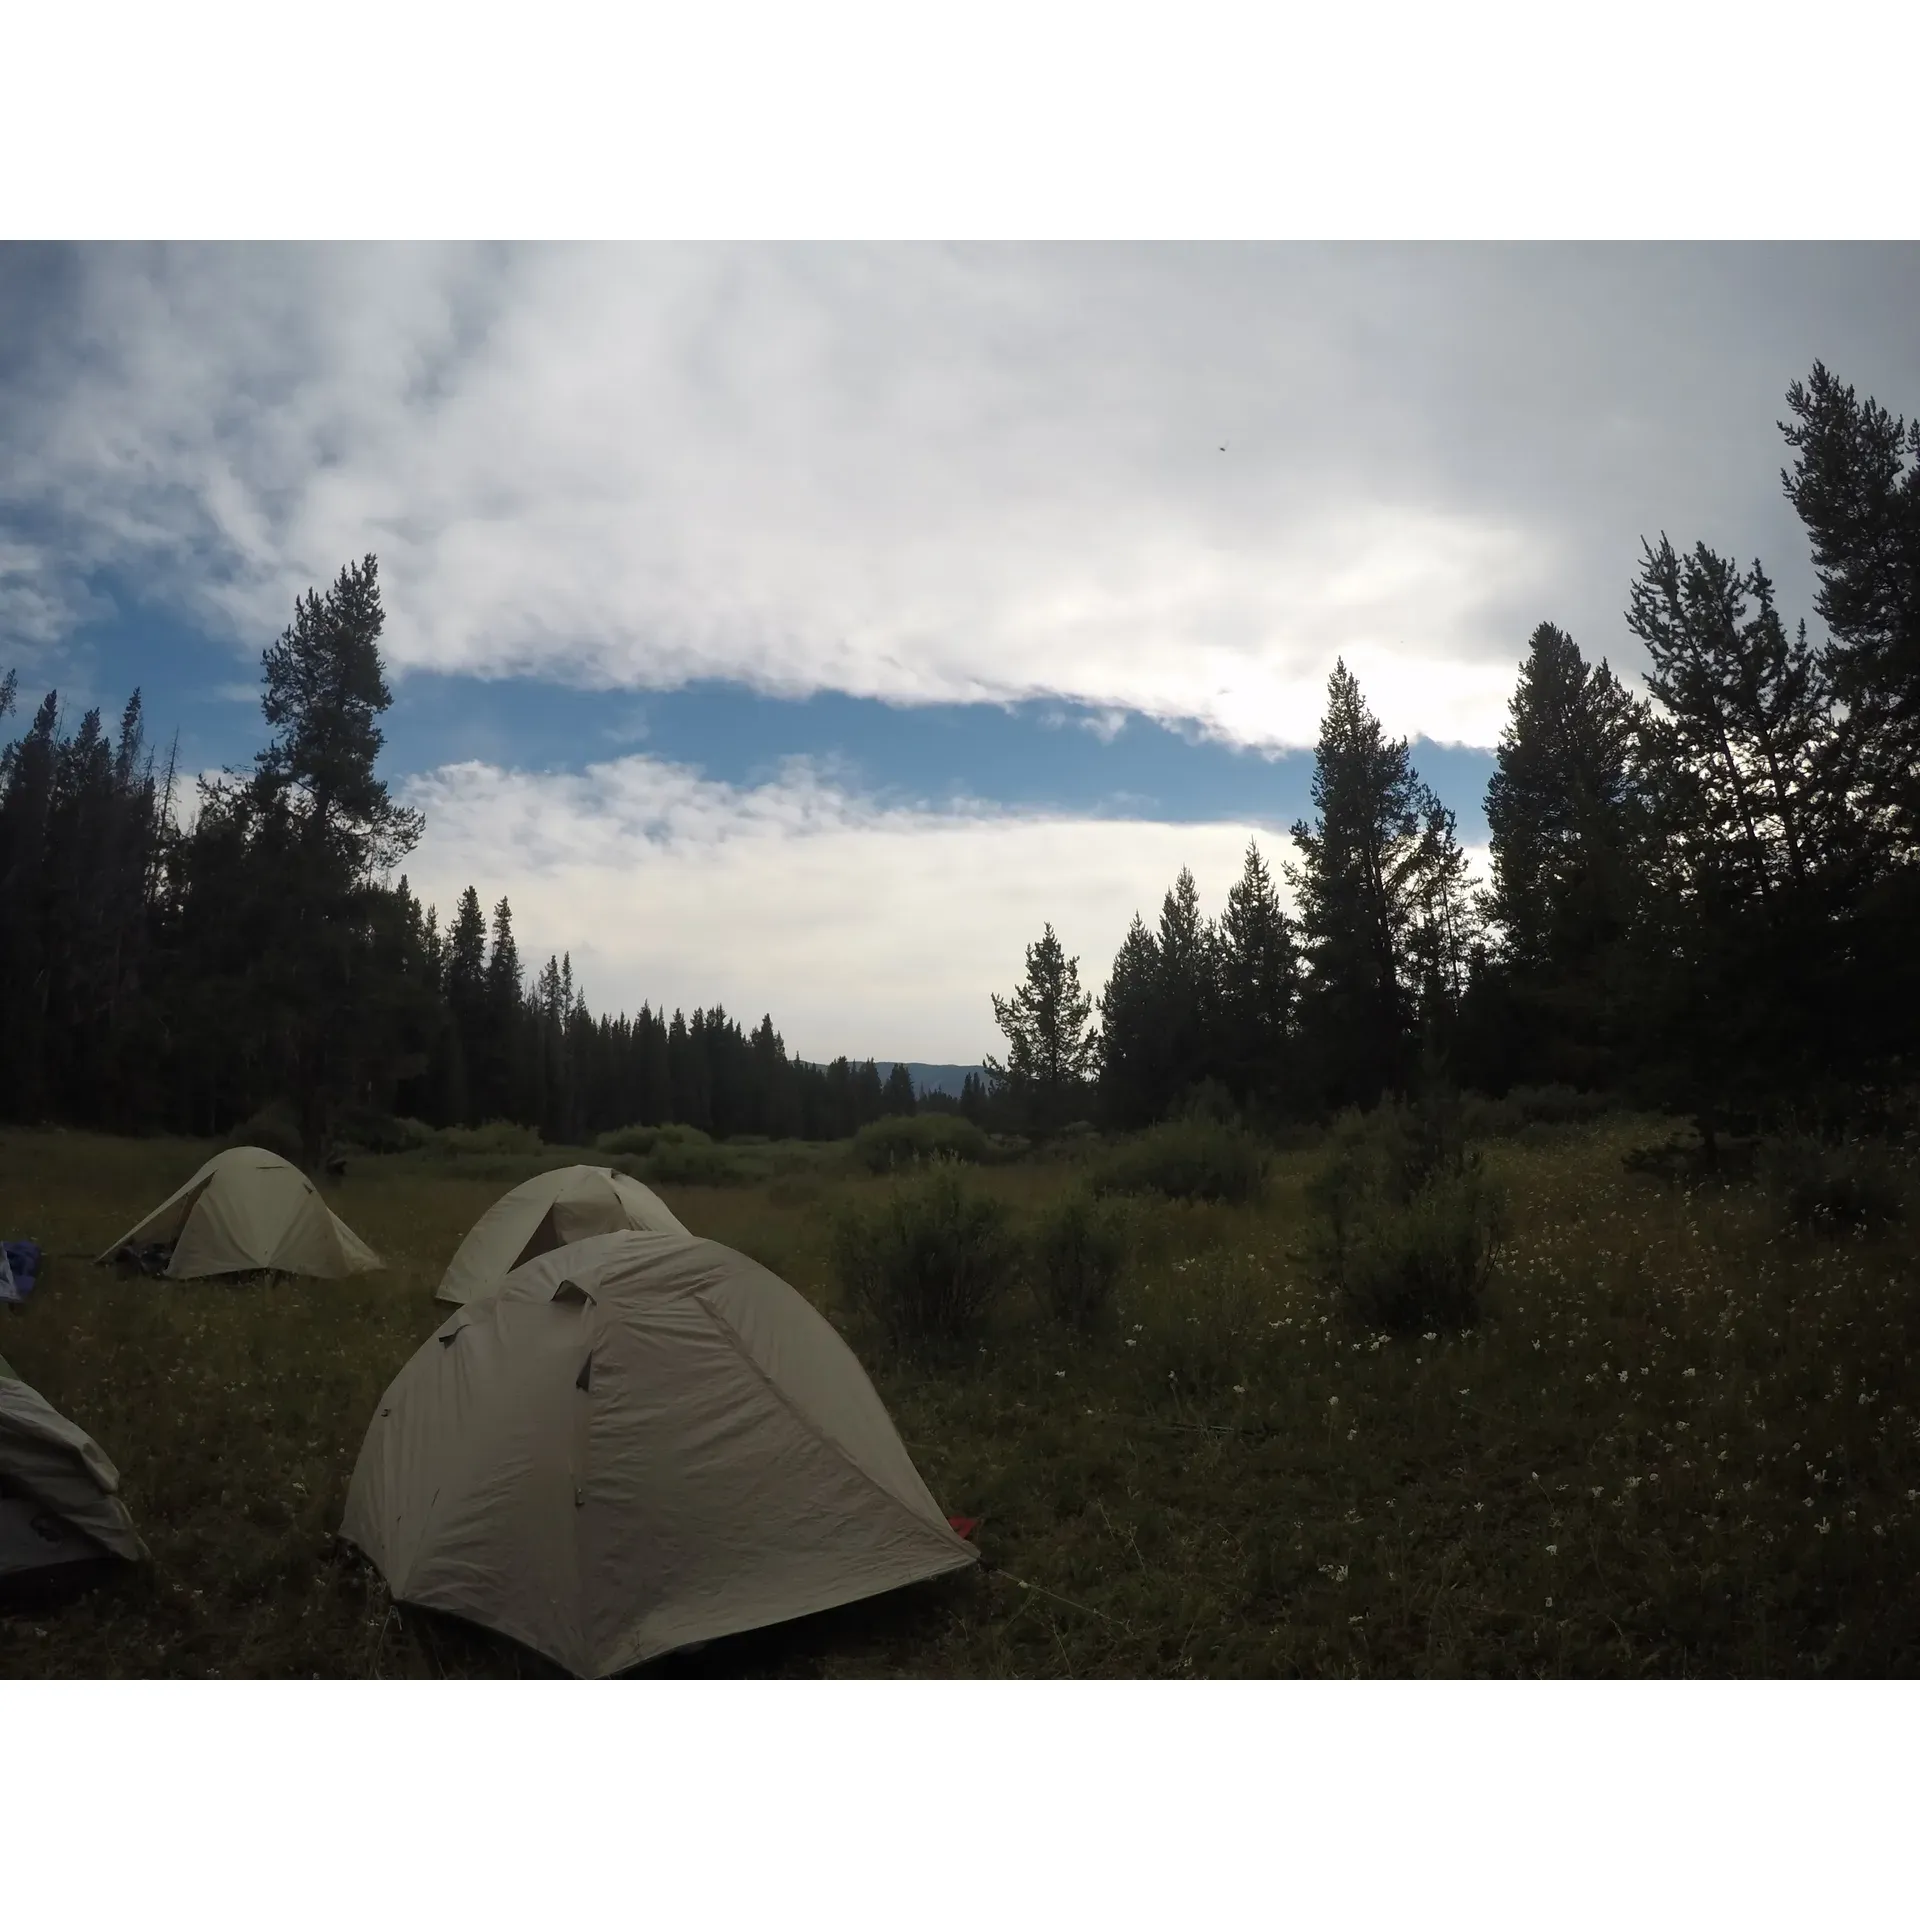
[
  {"x": 926, "y": 1266},
  {"x": 1419, "y": 1263},
  {"x": 692, "y": 1163},
  {"x": 1187, "y": 1160},
  {"x": 881, "y": 1146},
  {"x": 1209, "y": 1101},
  {"x": 373, "y": 1132},
  {"x": 1833, "y": 1186},
  {"x": 1079, "y": 1250},
  {"x": 494, "y": 1137},
  {"x": 639, "y": 1139},
  {"x": 1681, "y": 1162},
  {"x": 274, "y": 1128},
  {"x": 1407, "y": 1222},
  {"x": 1521, "y": 1110}
]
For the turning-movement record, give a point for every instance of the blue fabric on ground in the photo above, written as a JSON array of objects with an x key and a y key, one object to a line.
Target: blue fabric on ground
[{"x": 19, "y": 1268}]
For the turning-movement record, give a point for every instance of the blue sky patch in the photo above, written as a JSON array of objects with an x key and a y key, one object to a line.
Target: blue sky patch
[{"x": 1041, "y": 755}]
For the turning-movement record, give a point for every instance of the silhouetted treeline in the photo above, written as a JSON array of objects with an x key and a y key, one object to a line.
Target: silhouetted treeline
[
  {"x": 1704, "y": 896},
  {"x": 161, "y": 975},
  {"x": 532, "y": 1052}
]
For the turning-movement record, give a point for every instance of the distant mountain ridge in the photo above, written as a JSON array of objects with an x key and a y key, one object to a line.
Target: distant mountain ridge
[{"x": 927, "y": 1079}]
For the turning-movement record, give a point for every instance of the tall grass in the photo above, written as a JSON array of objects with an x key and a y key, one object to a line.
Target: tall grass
[
  {"x": 1680, "y": 1441},
  {"x": 1836, "y": 1186},
  {"x": 1078, "y": 1252}
]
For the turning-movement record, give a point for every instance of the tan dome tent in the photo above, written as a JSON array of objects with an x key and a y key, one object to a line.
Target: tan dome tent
[
  {"x": 551, "y": 1210},
  {"x": 642, "y": 1441},
  {"x": 244, "y": 1210},
  {"x": 59, "y": 1494}
]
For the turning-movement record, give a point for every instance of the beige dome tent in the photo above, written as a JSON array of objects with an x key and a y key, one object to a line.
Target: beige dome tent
[
  {"x": 550, "y": 1210},
  {"x": 59, "y": 1494},
  {"x": 248, "y": 1209},
  {"x": 642, "y": 1441}
]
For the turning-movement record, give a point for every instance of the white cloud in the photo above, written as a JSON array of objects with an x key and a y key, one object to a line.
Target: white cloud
[
  {"x": 935, "y": 473},
  {"x": 916, "y": 474},
  {"x": 861, "y": 929},
  {"x": 39, "y": 602}
]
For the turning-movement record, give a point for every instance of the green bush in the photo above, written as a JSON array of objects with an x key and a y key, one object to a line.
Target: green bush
[
  {"x": 495, "y": 1137},
  {"x": 692, "y": 1163},
  {"x": 926, "y": 1266},
  {"x": 1407, "y": 1222},
  {"x": 1209, "y": 1101},
  {"x": 375, "y": 1132},
  {"x": 1525, "y": 1108},
  {"x": 883, "y": 1145},
  {"x": 639, "y": 1139},
  {"x": 1186, "y": 1160},
  {"x": 274, "y": 1128},
  {"x": 1079, "y": 1249},
  {"x": 1833, "y": 1186},
  {"x": 1682, "y": 1162}
]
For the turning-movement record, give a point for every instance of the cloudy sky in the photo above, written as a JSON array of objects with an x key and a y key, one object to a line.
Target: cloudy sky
[{"x": 801, "y": 627}]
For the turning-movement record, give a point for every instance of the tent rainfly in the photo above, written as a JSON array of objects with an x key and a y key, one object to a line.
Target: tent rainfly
[
  {"x": 59, "y": 1494},
  {"x": 248, "y": 1209},
  {"x": 550, "y": 1210},
  {"x": 642, "y": 1441}
]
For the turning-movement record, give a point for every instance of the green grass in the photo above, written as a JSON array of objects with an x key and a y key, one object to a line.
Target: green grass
[{"x": 1683, "y": 1440}]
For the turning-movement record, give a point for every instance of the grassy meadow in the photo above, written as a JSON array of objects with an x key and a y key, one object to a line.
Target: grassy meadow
[{"x": 1682, "y": 1441}]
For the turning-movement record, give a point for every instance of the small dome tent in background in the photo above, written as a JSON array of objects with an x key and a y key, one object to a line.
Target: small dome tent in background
[
  {"x": 551, "y": 1210},
  {"x": 246, "y": 1210}
]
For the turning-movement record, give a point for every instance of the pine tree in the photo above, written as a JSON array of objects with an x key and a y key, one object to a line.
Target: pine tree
[
  {"x": 325, "y": 689},
  {"x": 1184, "y": 992},
  {"x": 898, "y": 1096},
  {"x": 1557, "y": 806},
  {"x": 1050, "y": 1052},
  {"x": 1856, "y": 488},
  {"x": 1365, "y": 879},
  {"x": 869, "y": 1096},
  {"x": 1129, "y": 1036},
  {"x": 321, "y": 832},
  {"x": 1737, "y": 944},
  {"x": 493, "y": 1067},
  {"x": 1258, "y": 982},
  {"x": 466, "y": 1086},
  {"x": 1562, "y": 811},
  {"x": 656, "y": 1068}
]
